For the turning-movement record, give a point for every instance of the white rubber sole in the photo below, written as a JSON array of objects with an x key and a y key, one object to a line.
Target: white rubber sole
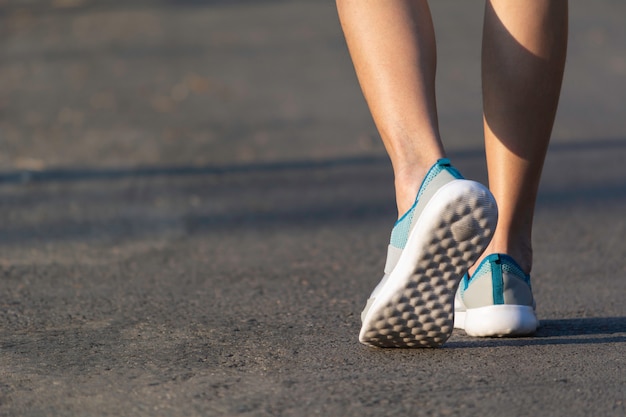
[
  {"x": 497, "y": 321},
  {"x": 416, "y": 306}
]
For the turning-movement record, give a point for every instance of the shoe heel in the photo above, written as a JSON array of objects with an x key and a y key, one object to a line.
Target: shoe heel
[{"x": 500, "y": 320}]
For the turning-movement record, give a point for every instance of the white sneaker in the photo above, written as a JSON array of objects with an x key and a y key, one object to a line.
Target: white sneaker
[
  {"x": 432, "y": 246},
  {"x": 497, "y": 300}
]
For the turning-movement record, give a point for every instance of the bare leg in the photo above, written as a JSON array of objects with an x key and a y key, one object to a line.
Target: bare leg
[
  {"x": 524, "y": 49},
  {"x": 392, "y": 44}
]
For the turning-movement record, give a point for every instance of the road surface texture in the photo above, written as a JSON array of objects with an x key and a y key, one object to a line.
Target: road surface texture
[{"x": 194, "y": 206}]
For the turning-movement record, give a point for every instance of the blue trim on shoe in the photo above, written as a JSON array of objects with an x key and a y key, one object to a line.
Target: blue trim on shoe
[
  {"x": 496, "y": 279},
  {"x": 463, "y": 284},
  {"x": 440, "y": 165},
  {"x": 505, "y": 311},
  {"x": 398, "y": 236},
  {"x": 496, "y": 262},
  {"x": 509, "y": 261}
]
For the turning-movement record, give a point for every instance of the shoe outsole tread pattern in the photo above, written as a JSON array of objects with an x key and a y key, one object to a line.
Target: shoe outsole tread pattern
[{"x": 418, "y": 311}]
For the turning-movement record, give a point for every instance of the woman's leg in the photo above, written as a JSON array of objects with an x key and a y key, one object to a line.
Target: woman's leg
[
  {"x": 443, "y": 231},
  {"x": 392, "y": 44},
  {"x": 524, "y": 49}
]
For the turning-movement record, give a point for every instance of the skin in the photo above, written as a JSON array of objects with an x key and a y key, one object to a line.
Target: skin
[{"x": 392, "y": 45}]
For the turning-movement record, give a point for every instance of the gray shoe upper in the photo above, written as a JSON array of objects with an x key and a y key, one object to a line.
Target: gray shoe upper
[
  {"x": 439, "y": 174},
  {"x": 498, "y": 280}
]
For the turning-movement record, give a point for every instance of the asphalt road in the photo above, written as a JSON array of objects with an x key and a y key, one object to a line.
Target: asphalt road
[{"x": 194, "y": 206}]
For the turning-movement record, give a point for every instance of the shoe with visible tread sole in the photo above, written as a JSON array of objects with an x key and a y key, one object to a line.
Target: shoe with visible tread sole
[
  {"x": 432, "y": 246},
  {"x": 496, "y": 301}
]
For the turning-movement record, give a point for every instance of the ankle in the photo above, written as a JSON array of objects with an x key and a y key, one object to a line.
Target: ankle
[
  {"x": 408, "y": 179},
  {"x": 406, "y": 191},
  {"x": 520, "y": 250}
]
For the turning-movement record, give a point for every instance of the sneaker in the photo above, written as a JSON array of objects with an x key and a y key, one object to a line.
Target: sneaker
[
  {"x": 432, "y": 246},
  {"x": 496, "y": 301}
]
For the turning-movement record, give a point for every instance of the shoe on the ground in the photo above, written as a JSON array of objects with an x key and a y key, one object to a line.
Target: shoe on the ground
[
  {"x": 497, "y": 300},
  {"x": 432, "y": 246}
]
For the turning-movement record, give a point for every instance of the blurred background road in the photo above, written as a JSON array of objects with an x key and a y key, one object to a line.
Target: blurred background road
[{"x": 195, "y": 204}]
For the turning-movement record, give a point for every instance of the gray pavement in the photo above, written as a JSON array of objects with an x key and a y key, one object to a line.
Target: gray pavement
[{"x": 194, "y": 205}]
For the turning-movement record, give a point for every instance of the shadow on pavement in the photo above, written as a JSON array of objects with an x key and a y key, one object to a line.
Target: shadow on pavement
[
  {"x": 144, "y": 202},
  {"x": 141, "y": 202},
  {"x": 88, "y": 174},
  {"x": 582, "y": 326},
  {"x": 561, "y": 332}
]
